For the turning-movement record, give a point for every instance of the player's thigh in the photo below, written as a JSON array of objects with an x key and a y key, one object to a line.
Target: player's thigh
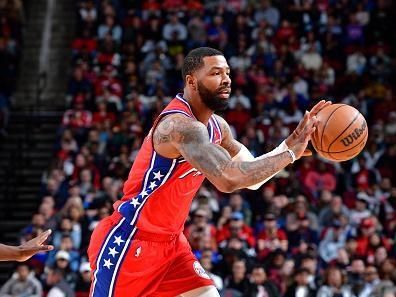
[
  {"x": 135, "y": 271},
  {"x": 209, "y": 291},
  {"x": 185, "y": 273},
  {"x": 123, "y": 265}
]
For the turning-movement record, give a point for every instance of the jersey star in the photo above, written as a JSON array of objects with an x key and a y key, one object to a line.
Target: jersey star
[
  {"x": 107, "y": 263},
  {"x": 118, "y": 240},
  {"x": 144, "y": 194},
  {"x": 158, "y": 175},
  {"x": 135, "y": 202},
  {"x": 152, "y": 185},
  {"x": 113, "y": 252}
]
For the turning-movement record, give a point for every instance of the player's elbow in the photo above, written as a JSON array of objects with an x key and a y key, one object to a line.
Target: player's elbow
[{"x": 227, "y": 185}]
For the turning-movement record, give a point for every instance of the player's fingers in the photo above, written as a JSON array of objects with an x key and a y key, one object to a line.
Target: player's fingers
[
  {"x": 318, "y": 106},
  {"x": 42, "y": 248},
  {"x": 44, "y": 236},
  {"x": 308, "y": 133},
  {"x": 303, "y": 123},
  {"x": 312, "y": 122},
  {"x": 307, "y": 153},
  {"x": 47, "y": 247}
]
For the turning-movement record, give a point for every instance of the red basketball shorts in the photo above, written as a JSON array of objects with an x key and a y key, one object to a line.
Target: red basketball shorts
[{"x": 127, "y": 262}]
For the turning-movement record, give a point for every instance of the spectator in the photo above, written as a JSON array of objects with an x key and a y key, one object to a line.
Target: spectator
[
  {"x": 260, "y": 285},
  {"x": 271, "y": 238},
  {"x": 356, "y": 276},
  {"x": 174, "y": 29},
  {"x": 268, "y": 13},
  {"x": 239, "y": 97},
  {"x": 62, "y": 262},
  {"x": 238, "y": 204},
  {"x": 333, "y": 240},
  {"x": 303, "y": 233},
  {"x": 369, "y": 239},
  {"x": 84, "y": 280},
  {"x": 320, "y": 178},
  {"x": 65, "y": 253},
  {"x": 310, "y": 262},
  {"x": 22, "y": 283},
  {"x": 361, "y": 211},
  {"x": 371, "y": 281},
  {"x": 300, "y": 285},
  {"x": 334, "y": 284},
  {"x": 356, "y": 63},
  {"x": 109, "y": 27},
  {"x": 238, "y": 280},
  {"x": 236, "y": 228},
  {"x": 88, "y": 12},
  {"x": 312, "y": 60},
  {"x": 335, "y": 209},
  {"x": 59, "y": 287},
  {"x": 200, "y": 229}
]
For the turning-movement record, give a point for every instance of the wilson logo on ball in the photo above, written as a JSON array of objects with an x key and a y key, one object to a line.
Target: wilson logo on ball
[{"x": 354, "y": 135}]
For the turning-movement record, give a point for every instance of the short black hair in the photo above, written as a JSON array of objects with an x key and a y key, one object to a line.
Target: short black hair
[{"x": 194, "y": 59}]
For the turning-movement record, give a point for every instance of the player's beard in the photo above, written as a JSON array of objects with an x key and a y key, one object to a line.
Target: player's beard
[{"x": 211, "y": 98}]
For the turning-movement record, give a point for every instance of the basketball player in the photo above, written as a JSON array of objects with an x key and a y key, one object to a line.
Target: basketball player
[
  {"x": 140, "y": 250},
  {"x": 27, "y": 250}
]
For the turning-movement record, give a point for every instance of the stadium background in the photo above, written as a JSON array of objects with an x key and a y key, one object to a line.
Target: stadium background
[{"x": 82, "y": 81}]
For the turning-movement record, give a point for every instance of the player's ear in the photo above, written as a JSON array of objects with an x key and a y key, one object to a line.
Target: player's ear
[{"x": 191, "y": 82}]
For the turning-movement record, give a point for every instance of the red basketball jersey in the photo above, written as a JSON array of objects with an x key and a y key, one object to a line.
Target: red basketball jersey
[{"x": 159, "y": 191}]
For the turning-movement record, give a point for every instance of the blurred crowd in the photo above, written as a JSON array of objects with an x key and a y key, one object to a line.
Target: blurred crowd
[
  {"x": 11, "y": 19},
  {"x": 316, "y": 229}
]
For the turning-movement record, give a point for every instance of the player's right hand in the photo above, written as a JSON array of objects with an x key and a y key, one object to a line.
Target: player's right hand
[{"x": 300, "y": 141}]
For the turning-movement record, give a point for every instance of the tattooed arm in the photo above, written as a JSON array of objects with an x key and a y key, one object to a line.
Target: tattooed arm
[
  {"x": 240, "y": 153},
  {"x": 184, "y": 136}
]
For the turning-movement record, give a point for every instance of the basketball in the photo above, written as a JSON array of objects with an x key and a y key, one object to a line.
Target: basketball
[{"x": 341, "y": 133}]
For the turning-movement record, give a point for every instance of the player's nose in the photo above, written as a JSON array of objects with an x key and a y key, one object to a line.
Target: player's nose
[{"x": 226, "y": 80}]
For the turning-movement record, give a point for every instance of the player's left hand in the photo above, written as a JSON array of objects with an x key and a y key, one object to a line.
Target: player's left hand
[
  {"x": 292, "y": 139},
  {"x": 34, "y": 246}
]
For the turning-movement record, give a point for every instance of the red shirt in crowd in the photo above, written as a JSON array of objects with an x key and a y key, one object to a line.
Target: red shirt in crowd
[
  {"x": 267, "y": 243},
  {"x": 85, "y": 44},
  {"x": 246, "y": 234}
]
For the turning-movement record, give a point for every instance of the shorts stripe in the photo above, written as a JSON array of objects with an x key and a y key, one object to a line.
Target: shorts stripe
[
  {"x": 120, "y": 260},
  {"x": 103, "y": 248}
]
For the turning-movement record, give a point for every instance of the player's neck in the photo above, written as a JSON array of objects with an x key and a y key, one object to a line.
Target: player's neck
[{"x": 199, "y": 109}]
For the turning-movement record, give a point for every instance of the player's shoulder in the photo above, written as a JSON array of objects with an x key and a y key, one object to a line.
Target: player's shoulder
[
  {"x": 180, "y": 120},
  {"x": 224, "y": 126},
  {"x": 179, "y": 126}
]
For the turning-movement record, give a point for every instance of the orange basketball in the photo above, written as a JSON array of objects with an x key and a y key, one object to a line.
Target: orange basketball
[{"x": 341, "y": 133}]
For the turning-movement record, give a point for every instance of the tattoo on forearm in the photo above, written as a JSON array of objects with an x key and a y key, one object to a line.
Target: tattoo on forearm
[{"x": 192, "y": 140}]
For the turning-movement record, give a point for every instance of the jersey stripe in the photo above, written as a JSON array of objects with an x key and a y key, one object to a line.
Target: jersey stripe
[
  {"x": 211, "y": 130},
  {"x": 160, "y": 170},
  {"x": 145, "y": 180},
  {"x": 180, "y": 97},
  {"x": 218, "y": 127},
  {"x": 172, "y": 167},
  {"x": 170, "y": 111}
]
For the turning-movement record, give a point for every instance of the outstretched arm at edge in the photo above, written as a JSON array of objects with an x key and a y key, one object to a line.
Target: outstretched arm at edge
[
  {"x": 191, "y": 139},
  {"x": 25, "y": 251}
]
